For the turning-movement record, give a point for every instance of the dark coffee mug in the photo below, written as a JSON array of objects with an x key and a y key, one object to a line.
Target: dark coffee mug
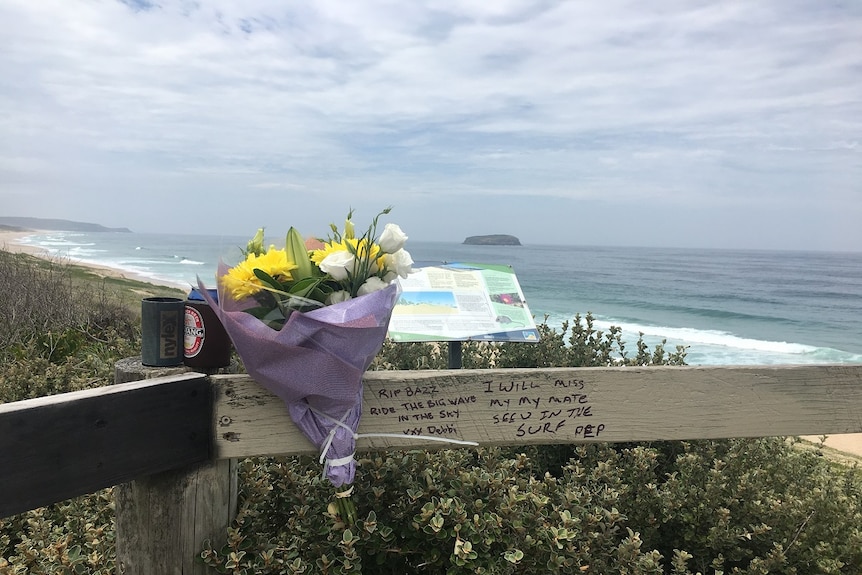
[{"x": 162, "y": 331}]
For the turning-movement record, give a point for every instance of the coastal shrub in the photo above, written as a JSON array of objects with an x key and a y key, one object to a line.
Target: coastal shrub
[
  {"x": 583, "y": 346},
  {"x": 58, "y": 333},
  {"x": 46, "y": 313},
  {"x": 29, "y": 373},
  {"x": 75, "y": 536},
  {"x": 745, "y": 506},
  {"x": 750, "y": 506},
  {"x": 449, "y": 511}
]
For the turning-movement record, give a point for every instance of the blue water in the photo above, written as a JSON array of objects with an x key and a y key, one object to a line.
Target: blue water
[{"x": 728, "y": 307}]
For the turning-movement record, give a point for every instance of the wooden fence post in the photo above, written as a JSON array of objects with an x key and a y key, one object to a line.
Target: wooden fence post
[{"x": 163, "y": 520}]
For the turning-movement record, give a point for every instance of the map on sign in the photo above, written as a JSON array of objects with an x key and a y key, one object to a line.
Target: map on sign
[{"x": 461, "y": 302}]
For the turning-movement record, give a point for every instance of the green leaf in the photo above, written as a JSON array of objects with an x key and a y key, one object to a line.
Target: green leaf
[
  {"x": 268, "y": 280},
  {"x": 305, "y": 287}
]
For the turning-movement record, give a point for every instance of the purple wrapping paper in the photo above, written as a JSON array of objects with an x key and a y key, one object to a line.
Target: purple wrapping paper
[{"x": 315, "y": 362}]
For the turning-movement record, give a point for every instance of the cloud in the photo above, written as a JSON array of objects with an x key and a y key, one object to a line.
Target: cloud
[{"x": 680, "y": 104}]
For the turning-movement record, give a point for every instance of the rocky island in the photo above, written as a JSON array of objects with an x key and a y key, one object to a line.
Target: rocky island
[{"x": 492, "y": 240}]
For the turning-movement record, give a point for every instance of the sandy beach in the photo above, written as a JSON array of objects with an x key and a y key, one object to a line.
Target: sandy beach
[{"x": 10, "y": 242}]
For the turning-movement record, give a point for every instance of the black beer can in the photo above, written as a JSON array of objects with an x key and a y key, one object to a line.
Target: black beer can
[{"x": 206, "y": 344}]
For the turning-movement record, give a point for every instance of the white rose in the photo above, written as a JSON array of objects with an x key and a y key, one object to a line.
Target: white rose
[
  {"x": 371, "y": 285},
  {"x": 337, "y": 264},
  {"x": 392, "y": 239},
  {"x": 399, "y": 262},
  {"x": 338, "y": 297}
]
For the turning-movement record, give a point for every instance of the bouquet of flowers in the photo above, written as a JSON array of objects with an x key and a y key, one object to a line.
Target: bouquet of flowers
[{"x": 307, "y": 320}]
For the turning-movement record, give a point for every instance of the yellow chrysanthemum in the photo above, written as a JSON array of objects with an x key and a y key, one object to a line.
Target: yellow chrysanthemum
[
  {"x": 318, "y": 256},
  {"x": 240, "y": 281},
  {"x": 375, "y": 254},
  {"x": 359, "y": 247}
]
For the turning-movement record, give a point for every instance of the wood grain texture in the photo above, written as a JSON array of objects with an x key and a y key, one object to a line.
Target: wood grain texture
[
  {"x": 559, "y": 405},
  {"x": 56, "y": 447},
  {"x": 162, "y": 520}
]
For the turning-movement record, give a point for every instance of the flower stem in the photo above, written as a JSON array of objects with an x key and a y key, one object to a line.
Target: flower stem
[{"x": 345, "y": 505}]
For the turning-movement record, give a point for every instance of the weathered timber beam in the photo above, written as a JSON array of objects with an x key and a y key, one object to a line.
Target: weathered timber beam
[
  {"x": 560, "y": 405},
  {"x": 61, "y": 446}
]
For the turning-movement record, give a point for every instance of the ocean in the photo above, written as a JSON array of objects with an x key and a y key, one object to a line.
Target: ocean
[{"x": 740, "y": 307}]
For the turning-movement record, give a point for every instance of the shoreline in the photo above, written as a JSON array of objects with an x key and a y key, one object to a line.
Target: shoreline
[{"x": 10, "y": 241}]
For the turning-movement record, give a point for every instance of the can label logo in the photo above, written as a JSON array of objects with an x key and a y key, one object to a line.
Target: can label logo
[
  {"x": 195, "y": 333},
  {"x": 168, "y": 336}
]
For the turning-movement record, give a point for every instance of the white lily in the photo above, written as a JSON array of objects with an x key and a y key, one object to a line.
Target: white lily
[{"x": 295, "y": 247}]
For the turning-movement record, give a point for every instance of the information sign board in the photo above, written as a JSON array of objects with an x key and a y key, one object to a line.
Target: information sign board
[{"x": 461, "y": 302}]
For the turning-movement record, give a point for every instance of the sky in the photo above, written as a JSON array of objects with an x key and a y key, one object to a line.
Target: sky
[{"x": 677, "y": 123}]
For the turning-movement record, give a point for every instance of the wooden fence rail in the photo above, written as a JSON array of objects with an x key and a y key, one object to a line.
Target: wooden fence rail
[
  {"x": 170, "y": 443},
  {"x": 559, "y": 405},
  {"x": 56, "y": 447}
]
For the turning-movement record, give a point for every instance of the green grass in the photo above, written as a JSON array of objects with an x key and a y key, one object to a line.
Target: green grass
[
  {"x": 127, "y": 291},
  {"x": 63, "y": 326}
]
